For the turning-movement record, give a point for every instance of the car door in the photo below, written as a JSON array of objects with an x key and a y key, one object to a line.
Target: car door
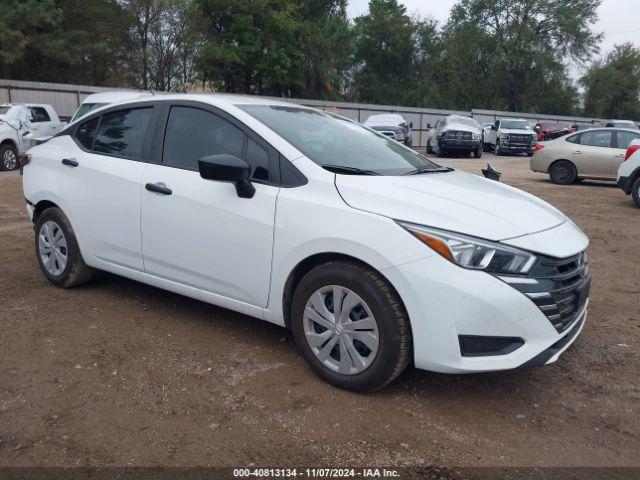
[
  {"x": 100, "y": 184},
  {"x": 492, "y": 133},
  {"x": 593, "y": 154},
  {"x": 41, "y": 124},
  {"x": 199, "y": 232},
  {"x": 622, "y": 141}
]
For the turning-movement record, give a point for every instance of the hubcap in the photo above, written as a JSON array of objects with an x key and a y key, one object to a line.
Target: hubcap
[
  {"x": 562, "y": 173},
  {"x": 9, "y": 160},
  {"x": 52, "y": 246},
  {"x": 341, "y": 330}
]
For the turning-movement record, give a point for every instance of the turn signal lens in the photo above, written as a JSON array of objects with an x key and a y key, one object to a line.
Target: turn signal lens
[{"x": 437, "y": 244}]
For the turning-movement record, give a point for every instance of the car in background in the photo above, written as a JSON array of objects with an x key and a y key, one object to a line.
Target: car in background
[
  {"x": 392, "y": 125},
  {"x": 551, "y": 130},
  {"x": 455, "y": 133},
  {"x": 510, "y": 136},
  {"x": 629, "y": 172},
  {"x": 590, "y": 154},
  {"x": 97, "y": 100},
  {"x": 621, "y": 124},
  {"x": 23, "y": 125}
]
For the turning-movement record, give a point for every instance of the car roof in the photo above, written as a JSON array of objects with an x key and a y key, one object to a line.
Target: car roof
[
  {"x": 114, "y": 96},
  {"x": 385, "y": 117},
  {"x": 217, "y": 99}
]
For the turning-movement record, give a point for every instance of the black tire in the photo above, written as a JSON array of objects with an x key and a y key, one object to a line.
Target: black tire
[
  {"x": 496, "y": 150},
  {"x": 429, "y": 149},
  {"x": 394, "y": 348},
  {"x": 11, "y": 161},
  {"x": 442, "y": 152},
  {"x": 477, "y": 153},
  {"x": 76, "y": 272},
  {"x": 529, "y": 154},
  {"x": 563, "y": 172},
  {"x": 635, "y": 192}
]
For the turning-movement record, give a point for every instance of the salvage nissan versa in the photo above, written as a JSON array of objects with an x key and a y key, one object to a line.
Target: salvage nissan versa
[{"x": 373, "y": 255}]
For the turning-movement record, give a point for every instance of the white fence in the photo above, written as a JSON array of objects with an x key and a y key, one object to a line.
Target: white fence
[{"x": 66, "y": 98}]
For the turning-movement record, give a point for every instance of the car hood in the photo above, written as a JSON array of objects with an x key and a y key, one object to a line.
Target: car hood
[
  {"x": 461, "y": 127},
  {"x": 455, "y": 201},
  {"x": 519, "y": 131}
]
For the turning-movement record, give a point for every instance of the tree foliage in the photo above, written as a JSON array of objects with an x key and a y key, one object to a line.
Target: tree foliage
[
  {"x": 612, "y": 85},
  {"x": 494, "y": 54}
]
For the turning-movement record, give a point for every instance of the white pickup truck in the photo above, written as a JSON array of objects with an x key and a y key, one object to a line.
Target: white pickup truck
[
  {"x": 22, "y": 126},
  {"x": 510, "y": 136}
]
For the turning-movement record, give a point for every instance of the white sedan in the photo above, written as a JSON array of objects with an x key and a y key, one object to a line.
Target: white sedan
[{"x": 373, "y": 255}]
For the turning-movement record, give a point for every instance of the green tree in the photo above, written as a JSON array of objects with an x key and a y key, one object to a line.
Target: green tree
[
  {"x": 515, "y": 52},
  {"x": 612, "y": 85}
]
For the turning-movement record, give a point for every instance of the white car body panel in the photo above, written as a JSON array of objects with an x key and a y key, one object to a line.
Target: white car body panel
[
  {"x": 207, "y": 243},
  {"x": 484, "y": 208}
]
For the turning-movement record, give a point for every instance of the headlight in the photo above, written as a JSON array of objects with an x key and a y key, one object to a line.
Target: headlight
[
  {"x": 476, "y": 136},
  {"x": 504, "y": 136},
  {"x": 474, "y": 253}
]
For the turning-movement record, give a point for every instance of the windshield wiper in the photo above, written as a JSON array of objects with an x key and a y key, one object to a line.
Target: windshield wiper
[
  {"x": 418, "y": 171},
  {"x": 348, "y": 170}
]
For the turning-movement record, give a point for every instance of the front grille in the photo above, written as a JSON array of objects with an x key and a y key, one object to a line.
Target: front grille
[
  {"x": 520, "y": 139},
  {"x": 559, "y": 287},
  {"x": 458, "y": 135}
]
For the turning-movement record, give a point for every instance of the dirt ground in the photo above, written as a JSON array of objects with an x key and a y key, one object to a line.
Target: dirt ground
[{"x": 120, "y": 373}]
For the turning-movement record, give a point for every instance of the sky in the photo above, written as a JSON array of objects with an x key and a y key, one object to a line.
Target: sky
[{"x": 618, "y": 19}]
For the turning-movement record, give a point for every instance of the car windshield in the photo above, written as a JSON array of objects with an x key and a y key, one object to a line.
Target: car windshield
[
  {"x": 469, "y": 122},
  {"x": 333, "y": 141},
  {"x": 515, "y": 124},
  {"x": 86, "y": 108}
]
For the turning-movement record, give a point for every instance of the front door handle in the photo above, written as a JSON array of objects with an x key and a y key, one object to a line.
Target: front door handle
[
  {"x": 158, "y": 188},
  {"x": 578, "y": 152},
  {"x": 70, "y": 162}
]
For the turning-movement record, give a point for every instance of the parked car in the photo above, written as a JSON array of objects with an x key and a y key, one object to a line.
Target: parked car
[
  {"x": 21, "y": 126},
  {"x": 549, "y": 131},
  {"x": 510, "y": 136},
  {"x": 621, "y": 124},
  {"x": 594, "y": 154},
  {"x": 375, "y": 256},
  {"x": 629, "y": 172},
  {"x": 455, "y": 133},
  {"x": 392, "y": 125},
  {"x": 97, "y": 100}
]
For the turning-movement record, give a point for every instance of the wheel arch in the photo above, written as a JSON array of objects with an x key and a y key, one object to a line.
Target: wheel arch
[
  {"x": 41, "y": 206},
  {"x": 305, "y": 265},
  {"x": 11, "y": 143}
]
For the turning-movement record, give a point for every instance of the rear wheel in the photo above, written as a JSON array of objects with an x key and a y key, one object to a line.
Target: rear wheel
[
  {"x": 8, "y": 157},
  {"x": 635, "y": 192},
  {"x": 350, "y": 326},
  {"x": 57, "y": 250},
  {"x": 563, "y": 172}
]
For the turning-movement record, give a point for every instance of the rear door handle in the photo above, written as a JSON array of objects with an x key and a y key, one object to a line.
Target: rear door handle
[
  {"x": 158, "y": 188},
  {"x": 70, "y": 162}
]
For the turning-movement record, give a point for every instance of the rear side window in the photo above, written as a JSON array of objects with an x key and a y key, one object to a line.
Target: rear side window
[
  {"x": 625, "y": 138},
  {"x": 596, "y": 138},
  {"x": 86, "y": 133},
  {"x": 39, "y": 114},
  {"x": 122, "y": 133}
]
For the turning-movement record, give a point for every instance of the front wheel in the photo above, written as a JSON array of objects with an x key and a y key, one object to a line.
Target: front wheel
[
  {"x": 563, "y": 172},
  {"x": 497, "y": 151},
  {"x": 477, "y": 153},
  {"x": 429, "y": 149},
  {"x": 8, "y": 157},
  {"x": 635, "y": 192},
  {"x": 57, "y": 250},
  {"x": 350, "y": 326}
]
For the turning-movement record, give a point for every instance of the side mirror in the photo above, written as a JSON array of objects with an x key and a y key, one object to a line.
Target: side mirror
[
  {"x": 429, "y": 126},
  {"x": 228, "y": 168},
  {"x": 536, "y": 128},
  {"x": 410, "y": 124},
  {"x": 493, "y": 127}
]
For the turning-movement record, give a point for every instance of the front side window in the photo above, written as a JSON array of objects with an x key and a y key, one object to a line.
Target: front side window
[
  {"x": 193, "y": 133},
  {"x": 86, "y": 133},
  {"x": 122, "y": 133},
  {"x": 596, "y": 138},
  {"x": 86, "y": 108},
  {"x": 332, "y": 141},
  {"x": 39, "y": 114},
  {"x": 625, "y": 138}
]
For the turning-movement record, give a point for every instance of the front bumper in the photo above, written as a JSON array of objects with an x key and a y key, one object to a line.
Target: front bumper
[
  {"x": 516, "y": 148},
  {"x": 456, "y": 144},
  {"x": 445, "y": 302}
]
